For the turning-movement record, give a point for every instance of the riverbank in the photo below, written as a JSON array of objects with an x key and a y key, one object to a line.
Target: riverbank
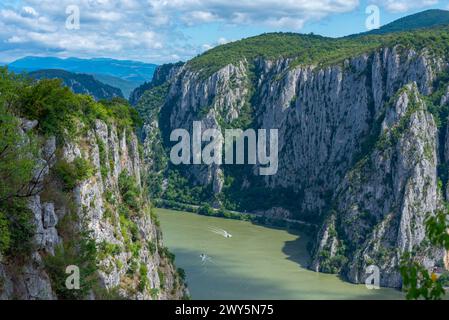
[{"x": 255, "y": 218}]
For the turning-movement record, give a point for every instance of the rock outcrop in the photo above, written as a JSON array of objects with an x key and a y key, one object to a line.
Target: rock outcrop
[{"x": 131, "y": 258}]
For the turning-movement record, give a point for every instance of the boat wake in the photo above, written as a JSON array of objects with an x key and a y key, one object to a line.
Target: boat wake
[{"x": 220, "y": 232}]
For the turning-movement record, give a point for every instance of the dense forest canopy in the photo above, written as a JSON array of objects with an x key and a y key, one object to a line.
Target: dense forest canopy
[{"x": 315, "y": 49}]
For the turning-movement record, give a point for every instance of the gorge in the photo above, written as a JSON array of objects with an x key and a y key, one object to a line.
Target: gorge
[
  {"x": 359, "y": 163},
  {"x": 362, "y": 127}
]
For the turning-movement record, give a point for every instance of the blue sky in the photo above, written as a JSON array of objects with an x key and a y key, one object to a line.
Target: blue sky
[{"x": 162, "y": 31}]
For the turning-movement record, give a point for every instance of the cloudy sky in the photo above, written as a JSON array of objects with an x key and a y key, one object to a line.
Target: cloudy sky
[{"x": 161, "y": 31}]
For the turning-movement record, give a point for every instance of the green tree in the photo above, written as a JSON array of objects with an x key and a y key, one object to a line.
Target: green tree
[
  {"x": 72, "y": 173},
  {"x": 18, "y": 174},
  {"x": 5, "y": 237},
  {"x": 418, "y": 282},
  {"x": 129, "y": 190},
  {"x": 18, "y": 152},
  {"x": 79, "y": 251}
]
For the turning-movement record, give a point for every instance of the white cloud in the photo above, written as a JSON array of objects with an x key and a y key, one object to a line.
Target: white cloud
[
  {"x": 286, "y": 22},
  {"x": 206, "y": 47},
  {"x": 150, "y": 40},
  {"x": 28, "y": 19},
  {"x": 105, "y": 16},
  {"x": 219, "y": 42},
  {"x": 154, "y": 29},
  {"x": 29, "y": 11},
  {"x": 285, "y": 14},
  {"x": 223, "y": 40},
  {"x": 16, "y": 39},
  {"x": 199, "y": 17},
  {"x": 240, "y": 18}
]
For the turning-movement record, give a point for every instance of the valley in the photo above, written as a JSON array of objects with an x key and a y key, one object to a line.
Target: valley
[{"x": 357, "y": 160}]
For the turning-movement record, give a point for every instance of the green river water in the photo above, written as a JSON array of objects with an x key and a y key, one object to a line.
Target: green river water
[{"x": 256, "y": 263}]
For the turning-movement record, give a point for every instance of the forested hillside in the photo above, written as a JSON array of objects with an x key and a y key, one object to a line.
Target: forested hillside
[{"x": 80, "y": 83}]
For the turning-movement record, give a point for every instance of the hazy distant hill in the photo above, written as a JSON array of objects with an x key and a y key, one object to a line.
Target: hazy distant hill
[
  {"x": 80, "y": 83},
  {"x": 127, "y": 87},
  {"x": 124, "y": 74}
]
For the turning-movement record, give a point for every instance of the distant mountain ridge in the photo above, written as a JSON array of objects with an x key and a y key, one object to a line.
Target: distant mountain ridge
[
  {"x": 125, "y": 86},
  {"x": 125, "y": 74},
  {"x": 80, "y": 83}
]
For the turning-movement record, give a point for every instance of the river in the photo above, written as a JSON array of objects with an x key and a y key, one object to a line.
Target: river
[{"x": 257, "y": 262}]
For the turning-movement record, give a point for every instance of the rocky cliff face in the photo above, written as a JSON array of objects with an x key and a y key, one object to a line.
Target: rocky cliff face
[
  {"x": 384, "y": 200},
  {"x": 358, "y": 147},
  {"x": 132, "y": 261},
  {"x": 161, "y": 75}
]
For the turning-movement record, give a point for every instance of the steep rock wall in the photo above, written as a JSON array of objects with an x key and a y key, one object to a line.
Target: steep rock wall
[
  {"x": 138, "y": 266},
  {"x": 330, "y": 120}
]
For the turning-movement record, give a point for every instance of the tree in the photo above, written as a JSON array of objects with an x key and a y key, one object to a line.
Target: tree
[
  {"x": 206, "y": 210},
  {"x": 418, "y": 282},
  {"x": 18, "y": 175},
  {"x": 18, "y": 152}
]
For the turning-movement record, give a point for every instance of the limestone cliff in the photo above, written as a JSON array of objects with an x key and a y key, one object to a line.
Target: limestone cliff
[
  {"x": 130, "y": 260},
  {"x": 359, "y": 147}
]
